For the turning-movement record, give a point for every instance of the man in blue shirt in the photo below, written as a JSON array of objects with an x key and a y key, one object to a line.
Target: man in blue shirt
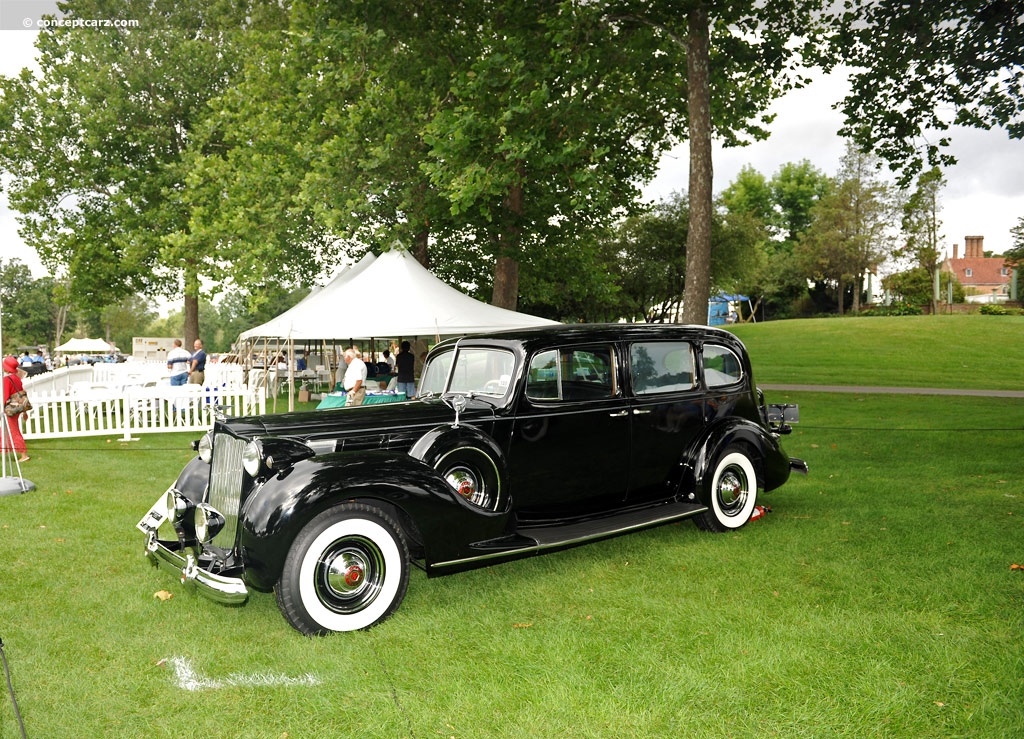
[{"x": 197, "y": 365}]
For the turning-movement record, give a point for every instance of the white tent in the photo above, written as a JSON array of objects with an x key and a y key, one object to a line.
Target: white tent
[
  {"x": 394, "y": 296},
  {"x": 319, "y": 299},
  {"x": 84, "y": 346}
]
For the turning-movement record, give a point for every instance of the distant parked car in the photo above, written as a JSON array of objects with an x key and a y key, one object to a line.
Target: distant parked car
[{"x": 519, "y": 443}]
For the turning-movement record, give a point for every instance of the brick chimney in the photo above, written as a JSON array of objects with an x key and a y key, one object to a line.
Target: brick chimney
[
  {"x": 956, "y": 251},
  {"x": 974, "y": 246}
]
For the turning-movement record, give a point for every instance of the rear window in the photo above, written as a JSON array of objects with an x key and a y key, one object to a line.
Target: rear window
[
  {"x": 721, "y": 366},
  {"x": 661, "y": 367}
]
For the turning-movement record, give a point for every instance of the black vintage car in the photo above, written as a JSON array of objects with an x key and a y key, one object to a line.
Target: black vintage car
[{"x": 518, "y": 443}]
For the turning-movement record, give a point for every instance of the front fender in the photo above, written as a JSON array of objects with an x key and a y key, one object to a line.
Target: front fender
[
  {"x": 771, "y": 464},
  {"x": 274, "y": 515},
  {"x": 193, "y": 480}
]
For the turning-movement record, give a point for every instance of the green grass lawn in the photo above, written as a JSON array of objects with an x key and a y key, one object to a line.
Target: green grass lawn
[
  {"x": 876, "y": 599},
  {"x": 966, "y": 351}
]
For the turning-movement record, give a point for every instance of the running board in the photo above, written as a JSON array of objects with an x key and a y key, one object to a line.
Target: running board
[{"x": 535, "y": 539}]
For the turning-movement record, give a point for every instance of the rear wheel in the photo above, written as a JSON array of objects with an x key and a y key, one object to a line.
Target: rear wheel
[
  {"x": 732, "y": 493},
  {"x": 348, "y": 569}
]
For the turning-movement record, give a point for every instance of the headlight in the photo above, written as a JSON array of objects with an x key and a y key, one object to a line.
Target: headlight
[
  {"x": 252, "y": 457},
  {"x": 175, "y": 505},
  {"x": 205, "y": 447},
  {"x": 272, "y": 455},
  {"x": 208, "y": 522}
]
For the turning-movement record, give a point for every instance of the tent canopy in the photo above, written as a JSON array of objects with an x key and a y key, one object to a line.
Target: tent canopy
[
  {"x": 392, "y": 296},
  {"x": 319, "y": 298},
  {"x": 84, "y": 346}
]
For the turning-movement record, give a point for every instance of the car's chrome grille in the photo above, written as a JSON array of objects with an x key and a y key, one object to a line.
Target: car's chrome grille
[{"x": 226, "y": 475}]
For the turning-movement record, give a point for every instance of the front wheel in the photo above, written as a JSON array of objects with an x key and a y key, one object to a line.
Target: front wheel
[
  {"x": 732, "y": 493},
  {"x": 348, "y": 569}
]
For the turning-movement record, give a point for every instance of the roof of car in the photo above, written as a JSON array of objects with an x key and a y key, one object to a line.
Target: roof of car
[{"x": 531, "y": 338}]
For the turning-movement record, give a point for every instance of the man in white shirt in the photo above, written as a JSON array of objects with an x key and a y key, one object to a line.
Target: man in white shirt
[
  {"x": 355, "y": 378},
  {"x": 177, "y": 362}
]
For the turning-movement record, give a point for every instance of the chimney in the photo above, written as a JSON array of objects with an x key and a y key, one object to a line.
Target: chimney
[
  {"x": 974, "y": 246},
  {"x": 956, "y": 250}
]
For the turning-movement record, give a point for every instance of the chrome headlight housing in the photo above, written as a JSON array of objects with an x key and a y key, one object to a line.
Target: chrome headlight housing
[
  {"x": 208, "y": 522},
  {"x": 175, "y": 505},
  {"x": 252, "y": 458},
  {"x": 271, "y": 455},
  {"x": 205, "y": 447}
]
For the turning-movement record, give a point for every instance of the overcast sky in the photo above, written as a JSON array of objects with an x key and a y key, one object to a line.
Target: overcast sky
[{"x": 984, "y": 195}]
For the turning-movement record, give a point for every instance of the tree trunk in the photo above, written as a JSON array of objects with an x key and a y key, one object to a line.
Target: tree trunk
[
  {"x": 505, "y": 293},
  {"x": 698, "y": 240},
  {"x": 506, "y": 283},
  {"x": 191, "y": 327},
  {"x": 420, "y": 241},
  {"x": 842, "y": 296}
]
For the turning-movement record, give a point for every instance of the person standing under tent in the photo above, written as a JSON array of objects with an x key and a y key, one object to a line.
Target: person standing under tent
[
  {"x": 355, "y": 378},
  {"x": 405, "y": 363},
  {"x": 12, "y": 384}
]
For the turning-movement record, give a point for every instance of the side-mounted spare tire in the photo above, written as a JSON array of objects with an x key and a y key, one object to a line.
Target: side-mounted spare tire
[
  {"x": 348, "y": 569},
  {"x": 731, "y": 492},
  {"x": 467, "y": 462}
]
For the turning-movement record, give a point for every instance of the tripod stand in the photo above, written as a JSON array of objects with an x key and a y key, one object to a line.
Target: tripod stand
[{"x": 15, "y": 483}]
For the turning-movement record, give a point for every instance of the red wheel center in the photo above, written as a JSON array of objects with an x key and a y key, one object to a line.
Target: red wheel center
[
  {"x": 353, "y": 575},
  {"x": 466, "y": 488}
]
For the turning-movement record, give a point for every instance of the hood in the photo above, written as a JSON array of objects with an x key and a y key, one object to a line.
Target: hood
[{"x": 408, "y": 417}]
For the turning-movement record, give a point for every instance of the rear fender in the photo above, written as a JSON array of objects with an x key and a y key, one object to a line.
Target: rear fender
[{"x": 771, "y": 465}]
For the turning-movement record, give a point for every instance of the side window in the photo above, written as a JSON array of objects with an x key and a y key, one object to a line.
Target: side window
[
  {"x": 577, "y": 373},
  {"x": 721, "y": 366},
  {"x": 661, "y": 367},
  {"x": 542, "y": 383}
]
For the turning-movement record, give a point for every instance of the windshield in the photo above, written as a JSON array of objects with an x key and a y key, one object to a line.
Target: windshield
[{"x": 480, "y": 371}]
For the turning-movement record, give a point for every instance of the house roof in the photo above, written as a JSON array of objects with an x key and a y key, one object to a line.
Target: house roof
[{"x": 983, "y": 270}]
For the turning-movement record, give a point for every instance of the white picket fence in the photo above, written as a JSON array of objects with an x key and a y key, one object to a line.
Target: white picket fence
[{"x": 97, "y": 410}]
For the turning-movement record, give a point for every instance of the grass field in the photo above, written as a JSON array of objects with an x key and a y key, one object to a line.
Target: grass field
[{"x": 876, "y": 599}]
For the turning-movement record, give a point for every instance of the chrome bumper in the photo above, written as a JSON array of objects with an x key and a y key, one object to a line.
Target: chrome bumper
[{"x": 228, "y": 590}]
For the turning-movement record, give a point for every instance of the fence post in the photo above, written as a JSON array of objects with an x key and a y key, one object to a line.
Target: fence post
[{"x": 127, "y": 408}]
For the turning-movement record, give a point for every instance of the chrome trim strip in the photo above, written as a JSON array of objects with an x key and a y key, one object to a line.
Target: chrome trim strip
[{"x": 227, "y": 590}]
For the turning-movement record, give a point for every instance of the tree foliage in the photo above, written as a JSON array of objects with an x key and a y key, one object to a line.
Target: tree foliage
[
  {"x": 852, "y": 229},
  {"x": 921, "y": 67},
  {"x": 97, "y": 145},
  {"x": 921, "y": 226}
]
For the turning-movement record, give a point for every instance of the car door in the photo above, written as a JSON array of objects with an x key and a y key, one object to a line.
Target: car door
[
  {"x": 667, "y": 414},
  {"x": 570, "y": 444}
]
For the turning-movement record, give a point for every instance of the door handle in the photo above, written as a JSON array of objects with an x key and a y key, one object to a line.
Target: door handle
[
  {"x": 618, "y": 414},
  {"x": 638, "y": 412}
]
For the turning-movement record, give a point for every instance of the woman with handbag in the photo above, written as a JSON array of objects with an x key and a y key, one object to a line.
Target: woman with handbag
[{"x": 14, "y": 389}]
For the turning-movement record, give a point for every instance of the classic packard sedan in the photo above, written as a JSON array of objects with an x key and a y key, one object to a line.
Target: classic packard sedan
[{"x": 518, "y": 443}]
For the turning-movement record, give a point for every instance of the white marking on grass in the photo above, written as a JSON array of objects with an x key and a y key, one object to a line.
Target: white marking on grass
[{"x": 188, "y": 679}]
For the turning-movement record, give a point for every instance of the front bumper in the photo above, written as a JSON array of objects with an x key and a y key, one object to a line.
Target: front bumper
[{"x": 228, "y": 590}]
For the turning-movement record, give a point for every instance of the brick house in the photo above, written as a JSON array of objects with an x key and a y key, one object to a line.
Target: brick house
[{"x": 985, "y": 279}]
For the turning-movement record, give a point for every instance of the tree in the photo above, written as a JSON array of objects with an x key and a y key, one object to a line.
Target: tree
[
  {"x": 97, "y": 146},
  {"x": 921, "y": 226},
  {"x": 756, "y": 53},
  {"x": 782, "y": 207},
  {"x": 28, "y": 313},
  {"x": 1015, "y": 254},
  {"x": 850, "y": 233},
  {"x": 921, "y": 67}
]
